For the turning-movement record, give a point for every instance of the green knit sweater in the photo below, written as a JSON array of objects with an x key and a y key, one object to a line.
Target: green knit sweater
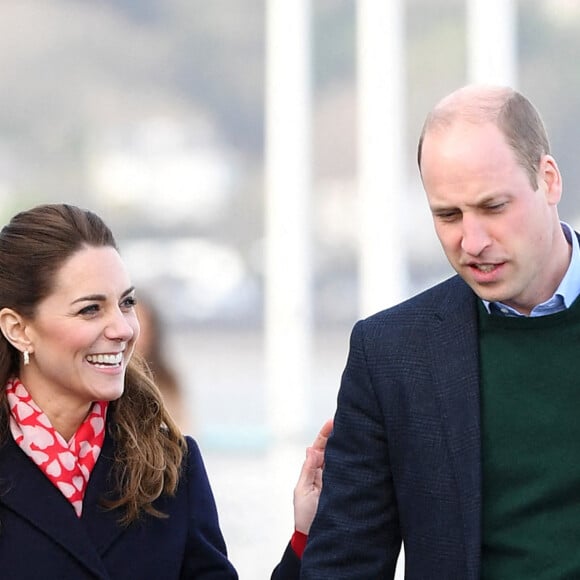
[{"x": 530, "y": 425}]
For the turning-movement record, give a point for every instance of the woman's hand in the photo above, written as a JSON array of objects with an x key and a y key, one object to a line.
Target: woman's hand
[{"x": 309, "y": 486}]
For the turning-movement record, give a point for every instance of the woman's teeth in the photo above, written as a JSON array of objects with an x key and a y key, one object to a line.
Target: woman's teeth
[{"x": 105, "y": 359}]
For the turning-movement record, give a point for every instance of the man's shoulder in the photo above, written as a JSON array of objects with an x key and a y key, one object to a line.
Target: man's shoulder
[
  {"x": 450, "y": 295},
  {"x": 443, "y": 310}
]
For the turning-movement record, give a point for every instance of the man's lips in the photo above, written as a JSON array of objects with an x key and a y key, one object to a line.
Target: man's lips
[
  {"x": 484, "y": 267},
  {"x": 485, "y": 271}
]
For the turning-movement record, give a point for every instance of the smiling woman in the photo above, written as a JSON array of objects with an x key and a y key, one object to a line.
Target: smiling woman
[
  {"x": 96, "y": 480},
  {"x": 79, "y": 342}
]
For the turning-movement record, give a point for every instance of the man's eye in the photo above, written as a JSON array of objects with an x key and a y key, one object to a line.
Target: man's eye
[{"x": 448, "y": 216}]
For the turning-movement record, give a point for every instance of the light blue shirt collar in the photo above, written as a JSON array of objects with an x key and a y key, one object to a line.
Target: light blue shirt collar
[{"x": 565, "y": 294}]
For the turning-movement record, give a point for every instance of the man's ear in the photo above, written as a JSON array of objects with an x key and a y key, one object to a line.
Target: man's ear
[
  {"x": 13, "y": 327},
  {"x": 550, "y": 175}
]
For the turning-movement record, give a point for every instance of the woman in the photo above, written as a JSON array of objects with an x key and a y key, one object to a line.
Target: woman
[{"x": 96, "y": 481}]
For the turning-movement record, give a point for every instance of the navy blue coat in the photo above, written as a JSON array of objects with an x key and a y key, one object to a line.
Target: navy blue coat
[
  {"x": 41, "y": 536},
  {"x": 404, "y": 461}
]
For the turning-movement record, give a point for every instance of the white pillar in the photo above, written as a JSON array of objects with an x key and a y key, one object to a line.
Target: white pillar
[
  {"x": 288, "y": 186},
  {"x": 381, "y": 148},
  {"x": 381, "y": 165},
  {"x": 492, "y": 42}
]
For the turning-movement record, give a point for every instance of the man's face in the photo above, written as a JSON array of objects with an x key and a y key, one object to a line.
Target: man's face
[{"x": 500, "y": 234}]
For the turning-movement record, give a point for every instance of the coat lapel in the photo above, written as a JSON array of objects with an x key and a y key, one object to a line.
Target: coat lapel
[
  {"x": 27, "y": 492},
  {"x": 457, "y": 386},
  {"x": 102, "y": 524}
]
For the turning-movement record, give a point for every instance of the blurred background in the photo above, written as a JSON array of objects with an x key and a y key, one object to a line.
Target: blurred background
[{"x": 154, "y": 114}]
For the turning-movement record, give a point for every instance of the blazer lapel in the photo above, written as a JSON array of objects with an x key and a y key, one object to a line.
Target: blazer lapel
[
  {"x": 455, "y": 351},
  {"x": 27, "y": 492}
]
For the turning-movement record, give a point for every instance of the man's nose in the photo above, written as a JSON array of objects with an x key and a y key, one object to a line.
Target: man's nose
[{"x": 475, "y": 237}]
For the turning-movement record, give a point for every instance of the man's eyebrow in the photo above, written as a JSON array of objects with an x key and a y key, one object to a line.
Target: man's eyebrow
[{"x": 491, "y": 198}]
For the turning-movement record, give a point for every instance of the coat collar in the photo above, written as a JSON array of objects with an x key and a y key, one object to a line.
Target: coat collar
[
  {"x": 456, "y": 382},
  {"x": 27, "y": 492}
]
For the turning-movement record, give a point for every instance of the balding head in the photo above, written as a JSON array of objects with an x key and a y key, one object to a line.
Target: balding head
[{"x": 510, "y": 111}]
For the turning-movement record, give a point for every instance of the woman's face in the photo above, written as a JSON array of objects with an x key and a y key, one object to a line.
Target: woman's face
[{"x": 83, "y": 334}]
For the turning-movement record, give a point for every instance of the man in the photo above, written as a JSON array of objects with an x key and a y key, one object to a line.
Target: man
[{"x": 456, "y": 429}]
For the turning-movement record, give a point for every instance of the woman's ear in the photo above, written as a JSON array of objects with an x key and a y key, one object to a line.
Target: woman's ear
[{"x": 13, "y": 328}]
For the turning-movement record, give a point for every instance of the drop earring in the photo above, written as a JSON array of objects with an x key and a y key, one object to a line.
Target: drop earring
[{"x": 26, "y": 357}]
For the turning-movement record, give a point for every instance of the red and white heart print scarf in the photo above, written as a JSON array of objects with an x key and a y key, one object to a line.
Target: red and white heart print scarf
[{"x": 67, "y": 465}]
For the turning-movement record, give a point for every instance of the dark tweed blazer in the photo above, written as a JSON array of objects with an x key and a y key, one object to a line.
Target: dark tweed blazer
[{"x": 403, "y": 462}]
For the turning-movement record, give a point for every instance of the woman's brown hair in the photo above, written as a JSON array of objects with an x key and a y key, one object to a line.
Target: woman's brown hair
[{"x": 149, "y": 446}]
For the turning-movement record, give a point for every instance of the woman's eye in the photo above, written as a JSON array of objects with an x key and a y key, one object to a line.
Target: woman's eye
[
  {"x": 130, "y": 302},
  {"x": 91, "y": 309}
]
